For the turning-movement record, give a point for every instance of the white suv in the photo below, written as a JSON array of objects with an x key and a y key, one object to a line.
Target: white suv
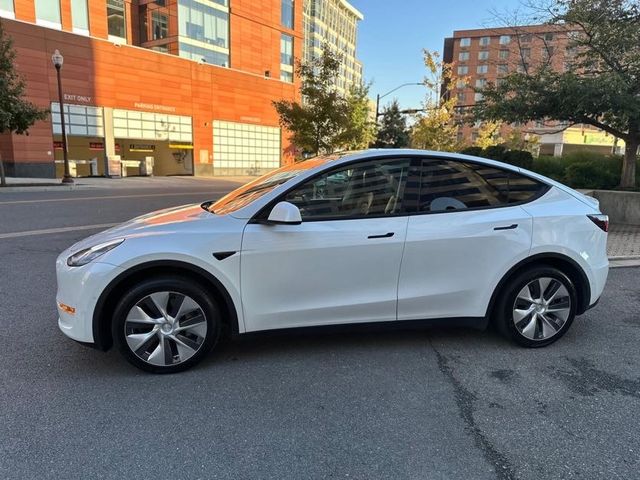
[{"x": 374, "y": 236}]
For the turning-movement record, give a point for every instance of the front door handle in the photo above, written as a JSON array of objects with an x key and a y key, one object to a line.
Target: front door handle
[
  {"x": 384, "y": 235},
  {"x": 508, "y": 227}
]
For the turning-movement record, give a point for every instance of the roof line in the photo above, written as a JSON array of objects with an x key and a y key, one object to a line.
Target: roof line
[{"x": 352, "y": 9}]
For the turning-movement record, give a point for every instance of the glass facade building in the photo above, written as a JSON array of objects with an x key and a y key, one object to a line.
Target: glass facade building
[{"x": 334, "y": 23}]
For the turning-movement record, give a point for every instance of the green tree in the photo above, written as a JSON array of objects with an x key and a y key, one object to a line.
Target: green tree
[
  {"x": 393, "y": 131},
  {"x": 600, "y": 87},
  {"x": 318, "y": 123},
  {"x": 437, "y": 129},
  {"x": 359, "y": 130},
  {"x": 16, "y": 113}
]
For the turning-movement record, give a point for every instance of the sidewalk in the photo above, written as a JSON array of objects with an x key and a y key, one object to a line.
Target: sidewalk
[{"x": 624, "y": 243}]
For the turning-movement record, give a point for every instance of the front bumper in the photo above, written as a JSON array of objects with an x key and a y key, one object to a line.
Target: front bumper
[{"x": 80, "y": 288}]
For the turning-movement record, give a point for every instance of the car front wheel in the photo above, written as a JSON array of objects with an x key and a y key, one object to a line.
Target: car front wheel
[
  {"x": 165, "y": 324},
  {"x": 537, "y": 307}
]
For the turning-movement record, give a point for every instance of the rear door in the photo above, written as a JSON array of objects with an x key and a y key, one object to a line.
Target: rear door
[{"x": 467, "y": 229}]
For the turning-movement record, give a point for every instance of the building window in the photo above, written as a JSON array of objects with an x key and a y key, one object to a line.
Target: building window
[
  {"x": 548, "y": 37},
  {"x": 203, "y": 23},
  {"x": 80, "y": 16},
  {"x": 547, "y": 53},
  {"x": 503, "y": 68},
  {"x": 484, "y": 41},
  {"x": 483, "y": 55},
  {"x": 48, "y": 13},
  {"x": 505, "y": 39},
  {"x": 286, "y": 58},
  {"x": 461, "y": 97},
  {"x": 116, "y": 19},
  {"x": 463, "y": 70},
  {"x": 461, "y": 84},
  {"x": 525, "y": 38},
  {"x": 286, "y": 14},
  {"x": 462, "y": 56},
  {"x": 481, "y": 82},
  {"x": 525, "y": 52},
  {"x": 483, "y": 68},
  {"x": 6, "y": 9},
  {"x": 465, "y": 42},
  {"x": 203, "y": 55},
  {"x": 159, "y": 25},
  {"x": 504, "y": 54}
]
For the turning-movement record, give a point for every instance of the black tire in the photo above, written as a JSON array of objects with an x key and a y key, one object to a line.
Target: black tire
[
  {"x": 504, "y": 311},
  {"x": 168, "y": 283}
]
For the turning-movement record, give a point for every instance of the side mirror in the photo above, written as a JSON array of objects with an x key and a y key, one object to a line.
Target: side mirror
[{"x": 285, "y": 213}]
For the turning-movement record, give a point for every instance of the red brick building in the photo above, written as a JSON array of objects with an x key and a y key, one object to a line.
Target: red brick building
[
  {"x": 188, "y": 83},
  {"x": 485, "y": 55}
]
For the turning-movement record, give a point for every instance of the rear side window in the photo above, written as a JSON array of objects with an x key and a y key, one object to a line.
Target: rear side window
[{"x": 447, "y": 185}]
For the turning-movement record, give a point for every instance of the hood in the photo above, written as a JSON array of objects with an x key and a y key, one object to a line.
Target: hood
[{"x": 154, "y": 223}]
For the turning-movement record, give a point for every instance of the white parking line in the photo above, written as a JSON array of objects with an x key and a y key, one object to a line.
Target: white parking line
[
  {"x": 47, "y": 231},
  {"x": 108, "y": 197}
]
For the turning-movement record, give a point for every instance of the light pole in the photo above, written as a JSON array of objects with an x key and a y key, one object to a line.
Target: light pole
[
  {"x": 389, "y": 93},
  {"x": 57, "y": 60}
]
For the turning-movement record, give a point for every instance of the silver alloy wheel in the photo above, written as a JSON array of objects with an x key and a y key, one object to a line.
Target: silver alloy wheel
[
  {"x": 165, "y": 328},
  {"x": 541, "y": 308}
]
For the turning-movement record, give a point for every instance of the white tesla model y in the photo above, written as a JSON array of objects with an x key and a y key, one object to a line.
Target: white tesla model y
[{"x": 374, "y": 236}]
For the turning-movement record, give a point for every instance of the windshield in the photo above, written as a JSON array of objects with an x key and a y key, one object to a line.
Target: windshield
[{"x": 246, "y": 194}]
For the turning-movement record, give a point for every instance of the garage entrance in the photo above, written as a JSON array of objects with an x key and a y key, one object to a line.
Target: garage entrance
[{"x": 166, "y": 141}]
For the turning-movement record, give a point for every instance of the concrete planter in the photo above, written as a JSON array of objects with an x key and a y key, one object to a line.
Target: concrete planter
[{"x": 622, "y": 207}]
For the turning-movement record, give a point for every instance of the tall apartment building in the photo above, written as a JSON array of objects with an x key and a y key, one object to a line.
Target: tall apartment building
[
  {"x": 333, "y": 22},
  {"x": 189, "y": 83},
  {"x": 486, "y": 55}
]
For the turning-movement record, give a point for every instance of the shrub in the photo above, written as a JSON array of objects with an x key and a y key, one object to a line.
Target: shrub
[
  {"x": 591, "y": 174},
  {"x": 495, "y": 152},
  {"x": 519, "y": 158},
  {"x": 473, "y": 151},
  {"x": 552, "y": 167}
]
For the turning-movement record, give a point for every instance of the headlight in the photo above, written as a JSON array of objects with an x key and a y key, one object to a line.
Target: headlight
[{"x": 90, "y": 254}]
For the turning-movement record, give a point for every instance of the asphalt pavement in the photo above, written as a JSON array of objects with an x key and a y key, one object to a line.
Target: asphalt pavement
[{"x": 425, "y": 404}]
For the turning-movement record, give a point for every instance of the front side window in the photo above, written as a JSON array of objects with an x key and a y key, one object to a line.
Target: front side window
[
  {"x": 80, "y": 16},
  {"x": 48, "y": 13},
  {"x": 447, "y": 185},
  {"x": 286, "y": 14},
  {"x": 365, "y": 189},
  {"x": 116, "y": 19}
]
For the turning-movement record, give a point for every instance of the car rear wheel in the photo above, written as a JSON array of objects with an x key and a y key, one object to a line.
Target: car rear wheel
[
  {"x": 537, "y": 307},
  {"x": 165, "y": 324}
]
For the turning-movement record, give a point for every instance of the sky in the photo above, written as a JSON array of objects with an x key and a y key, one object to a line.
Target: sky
[{"x": 394, "y": 32}]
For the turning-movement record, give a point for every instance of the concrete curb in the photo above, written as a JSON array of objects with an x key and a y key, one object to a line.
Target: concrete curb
[{"x": 630, "y": 261}]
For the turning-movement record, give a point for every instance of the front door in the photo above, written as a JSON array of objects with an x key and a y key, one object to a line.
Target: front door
[{"x": 341, "y": 265}]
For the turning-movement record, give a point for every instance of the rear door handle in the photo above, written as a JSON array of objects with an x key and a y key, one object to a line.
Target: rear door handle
[
  {"x": 508, "y": 227},
  {"x": 385, "y": 235}
]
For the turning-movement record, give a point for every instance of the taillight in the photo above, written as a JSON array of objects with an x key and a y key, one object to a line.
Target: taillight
[{"x": 602, "y": 221}]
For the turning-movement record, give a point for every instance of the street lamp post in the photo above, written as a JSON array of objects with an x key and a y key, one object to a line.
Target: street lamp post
[
  {"x": 57, "y": 60},
  {"x": 389, "y": 93}
]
